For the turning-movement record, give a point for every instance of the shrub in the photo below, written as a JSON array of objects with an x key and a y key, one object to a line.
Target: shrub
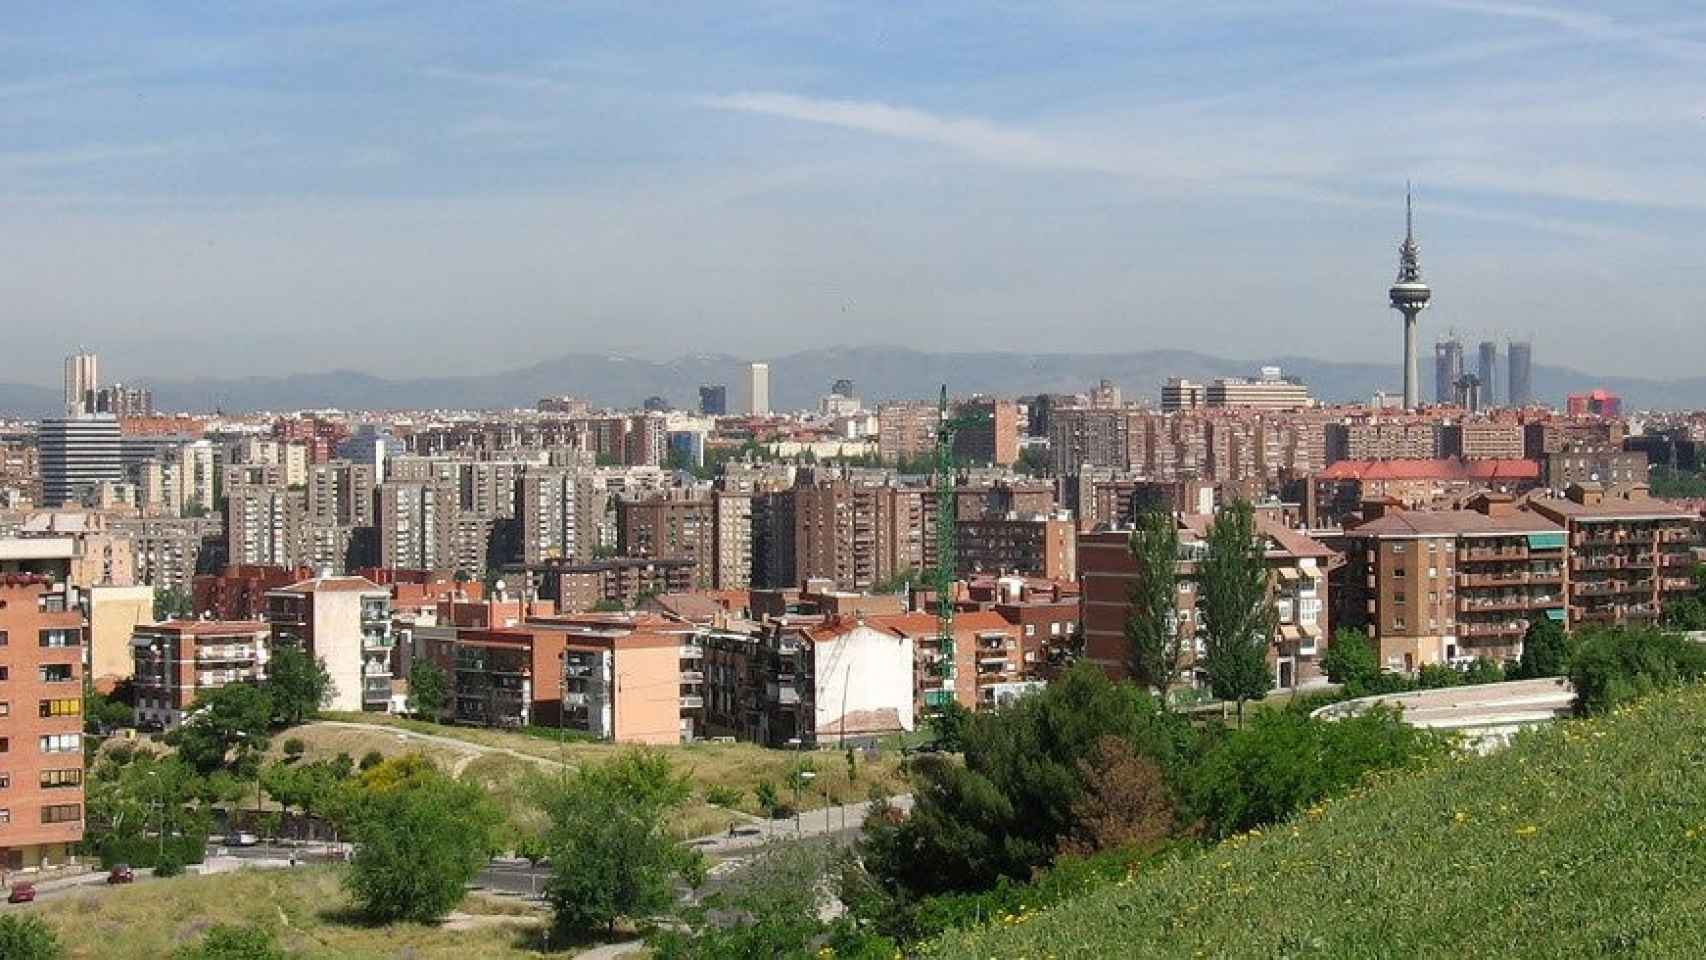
[
  {"x": 1484, "y": 670},
  {"x": 1433, "y": 676},
  {"x": 371, "y": 759},
  {"x": 1285, "y": 761},
  {"x": 1126, "y": 803},
  {"x": 722, "y": 796},
  {"x": 765, "y": 795},
  {"x": 169, "y": 864},
  {"x": 418, "y": 844},
  {"x": 1546, "y": 651},
  {"x": 294, "y": 748},
  {"x": 27, "y": 938},
  {"x": 227, "y": 942},
  {"x": 1350, "y": 658},
  {"x": 1611, "y": 667}
]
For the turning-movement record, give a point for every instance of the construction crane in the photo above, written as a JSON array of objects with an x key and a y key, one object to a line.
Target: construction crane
[{"x": 946, "y": 536}]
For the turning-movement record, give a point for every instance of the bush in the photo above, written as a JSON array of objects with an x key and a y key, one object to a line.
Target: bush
[
  {"x": 721, "y": 796},
  {"x": 1546, "y": 651},
  {"x": 1484, "y": 670},
  {"x": 294, "y": 748},
  {"x": 1285, "y": 761},
  {"x": 169, "y": 864},
  {"x": 1611, "y": 667},
  {"x": 371, "y": 759},
  {"x": 227, "y": 942},
  {"x": 27, "y": 938},
  {"x": 765, "y": 795},
  {"x": 1433, "y": 676}
]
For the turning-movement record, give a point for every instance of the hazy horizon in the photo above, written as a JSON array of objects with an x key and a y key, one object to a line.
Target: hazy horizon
[{"x": 439, "y": 189}]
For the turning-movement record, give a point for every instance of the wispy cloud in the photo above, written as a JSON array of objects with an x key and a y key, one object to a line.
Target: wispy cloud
[{"x": 1659, "y": 39}]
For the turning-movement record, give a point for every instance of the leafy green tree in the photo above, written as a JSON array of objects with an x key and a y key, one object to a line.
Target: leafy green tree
[
  {"x": 611, "y": 857},
  {"x": 172, "y": 604},
  {"x": 765, "y": 796},
  {"x": 1350, "y": 659},
  {"x": 1283, "y": 761},
  {"x": 1546, "y": 651},
  {"x": 1433, "y": 676},
  {"x": 1153, "y": 646},
  {"x": 138, "y": 803},
  {"x": 227, "y": 942},
  {"x": 1005, "y": 809},
  {"x": 102, "y": 713},
  {"x": 1237, "y": 617},
  {"x": 1484, "y": 670},
  {"x": 429, "y": 688},
  {"x": 28, "y": 938},
  {"x": 299, "y": 685},
  {"x": 226, "y": 728},
  {"x": 417, "y": 846}
]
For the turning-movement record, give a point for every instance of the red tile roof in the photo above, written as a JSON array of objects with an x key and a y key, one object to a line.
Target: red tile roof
[{"x": 1439, "y": 469}]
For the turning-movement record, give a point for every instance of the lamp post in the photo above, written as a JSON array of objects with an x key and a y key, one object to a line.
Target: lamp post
[
  {"x": 160, "y": 803},
  {"x": 801, "y": 778}
]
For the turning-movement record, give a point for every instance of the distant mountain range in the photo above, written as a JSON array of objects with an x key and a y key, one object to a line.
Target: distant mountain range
[{"x": 798, "y": 379}]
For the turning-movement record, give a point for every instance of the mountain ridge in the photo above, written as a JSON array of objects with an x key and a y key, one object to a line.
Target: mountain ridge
[{"x": 798, "y": 379}]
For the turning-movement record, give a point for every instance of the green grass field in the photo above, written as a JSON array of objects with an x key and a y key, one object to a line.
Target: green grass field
[
  {"x": 306, "y": 907},
  {"x": 1587, "y": 838}
]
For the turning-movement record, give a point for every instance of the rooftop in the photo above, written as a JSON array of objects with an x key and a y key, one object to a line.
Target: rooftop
[{"x": 1423, "y": 523}]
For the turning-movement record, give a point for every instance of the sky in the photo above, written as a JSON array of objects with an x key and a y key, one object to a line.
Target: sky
[{"x": 429, "y": 188}]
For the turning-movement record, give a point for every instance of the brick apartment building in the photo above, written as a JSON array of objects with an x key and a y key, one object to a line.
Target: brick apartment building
[
  {"x": 41, "y": 722},
  {"x": 1442, "y": 586},
  {"x": 177, "y": 661},
  {"x": 239, "y": 592},
  {"x": 1298, "y": 569},
  {"x": 1629, "y": 553},
  {"x": 670, "y": 528},
  {"x": 1038, "y": 546}
]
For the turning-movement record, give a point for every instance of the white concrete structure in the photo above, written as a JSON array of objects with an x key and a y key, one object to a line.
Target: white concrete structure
[
  {"x": 82, "y": 376},
  {"x": 344, "y": 622}
]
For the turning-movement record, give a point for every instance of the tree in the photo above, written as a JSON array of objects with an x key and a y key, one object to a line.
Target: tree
[
  {"x": 1350, "y": 659},
  {"x": 28, "y": 938},
  {"x": 948, "y": 725},
  {"x": 610, "y": 855},
  {"x": 1004, "y": 810},
  {"x": 299, "y": 685},
  {"x": 429, "y": 689},
  {"x": 1614, "y": 666},
  {"x": 1546, "y": 651},
  {"x": 226, "y": 728},
  {"x": 1237, "y": 617},
  {"x": 417, "y": 846},
  {"x": 1126, "y": 804},
  {"x": 102, "y": 714},
  {"x": 172, "y": 604},
  {"x": 1153, "y": 646},
  {"x": 227, "y": 942},
  {"x": 138, "y": 804},
  {"x": 294, "y": 748}
]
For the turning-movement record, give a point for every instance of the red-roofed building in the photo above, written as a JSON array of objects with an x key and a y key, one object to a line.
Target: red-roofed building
[
  {"x": 1337, "y": 493},
  {"x": 179, "y": 660},
  {"x": 239, "y": 592}
]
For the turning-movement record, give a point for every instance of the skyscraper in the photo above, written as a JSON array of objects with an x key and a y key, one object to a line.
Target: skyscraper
[
  {"x": 713, "y": 399},
  {"x": 1489, "y": 370},
  {"x": 82, "y": 377},
  {"x": 758, "y": 389},
  {"x": 1519, "y": 388},
  {"x": 1448, "y": 367},
  {"x": 1409, "y": 296},
  {"x": 76, "y": 454}
]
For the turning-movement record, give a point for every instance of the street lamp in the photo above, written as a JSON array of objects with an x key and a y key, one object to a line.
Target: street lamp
[{"x": 801, "y": 778}]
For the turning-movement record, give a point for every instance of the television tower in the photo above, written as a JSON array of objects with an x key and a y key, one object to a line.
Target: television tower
[{"x": 1410, "y": 296}]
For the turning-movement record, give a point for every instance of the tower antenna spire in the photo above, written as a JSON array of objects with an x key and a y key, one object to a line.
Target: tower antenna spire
[{"x": 1409, "y": 223}]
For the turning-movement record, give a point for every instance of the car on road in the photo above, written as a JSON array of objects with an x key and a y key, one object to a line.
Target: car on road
[
  {"x": 122, "y": 874},
  {"x": 22, "y": 892},
  {"x": 242, "y": 840}
]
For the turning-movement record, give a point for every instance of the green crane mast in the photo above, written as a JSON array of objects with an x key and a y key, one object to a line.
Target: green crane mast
[{"x": 946, "y": 535}]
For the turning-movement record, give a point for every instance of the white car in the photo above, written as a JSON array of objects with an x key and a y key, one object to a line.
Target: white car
[{"x": 242, "y": 840}]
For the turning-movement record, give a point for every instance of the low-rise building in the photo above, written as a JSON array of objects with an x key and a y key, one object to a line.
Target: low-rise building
[
  {"x": 177, "y": 661},
  {"x": 1630, "y": 554}
]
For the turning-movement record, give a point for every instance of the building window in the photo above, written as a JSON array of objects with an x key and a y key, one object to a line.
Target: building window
[
  {"x": 5, "y": 815},
  {"x": 55, "y": 779},
  {"x": 54, "y": 672},
  {"x": 5, "y": 744},
  {"x": 5, "y": 673},
  {"x": 61, "y": 743},
  {"x": 62, "y": 813},
  {"x": 61, "y": 707},
  {"x": 5, "y": 780},
  {"x": 59, "y": 638},
  {"x": 5, "y": 709},
  {"x": 1397, "y": 548},
  {"x": 3, "y": 638}
]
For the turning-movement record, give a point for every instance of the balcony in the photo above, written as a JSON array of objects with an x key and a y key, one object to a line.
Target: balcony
[
  {"x": 693, "y": 703},
  {"x": 1501, "y": 628},
  {"x": 1594, "y": 588},
  {"x": 1492, "y": 553},
  {"x": 1492, "y": 579},
  {"x": 1676, "y": 583}
]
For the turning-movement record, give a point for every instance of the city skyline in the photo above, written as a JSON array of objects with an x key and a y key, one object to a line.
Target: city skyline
[{"x": 428, "y": 187}]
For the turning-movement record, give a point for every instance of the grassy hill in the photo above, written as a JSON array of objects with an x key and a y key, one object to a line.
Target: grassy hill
[{"x": 1584, "y": 839}]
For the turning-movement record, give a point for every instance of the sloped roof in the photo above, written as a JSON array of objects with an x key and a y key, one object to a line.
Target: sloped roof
[
  {"x": 1423, "y": 523},
  {"x": 1432, "y": 469}
]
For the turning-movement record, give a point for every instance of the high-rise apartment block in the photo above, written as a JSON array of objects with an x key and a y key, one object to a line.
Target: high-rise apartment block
[
  {"x": 1448, "y": 368},
  {"x": 1489, "y": 373},
  {"x": 670, "y": 528},
  {"x": 992, "y": 435},
  {"x": 713, "y": 400},
  {"x": 906, "y": 430}
]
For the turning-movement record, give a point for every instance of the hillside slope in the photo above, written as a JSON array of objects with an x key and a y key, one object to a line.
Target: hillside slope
[{"x": 1585, "y": 839}]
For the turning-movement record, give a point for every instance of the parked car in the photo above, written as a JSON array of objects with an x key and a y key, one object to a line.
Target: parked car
[
  {"x": 242, "y": 840},
  {"x": 122, "y": 874},
  {"x": 22, "y": 892}
]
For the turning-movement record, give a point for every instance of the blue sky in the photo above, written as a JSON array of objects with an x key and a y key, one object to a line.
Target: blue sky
[{"x": 428, "y": 188}]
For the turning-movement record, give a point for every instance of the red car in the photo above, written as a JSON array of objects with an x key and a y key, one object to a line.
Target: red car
[
  {"x": 22, "y": 892},
  {"x": 121, "y": 874}
]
